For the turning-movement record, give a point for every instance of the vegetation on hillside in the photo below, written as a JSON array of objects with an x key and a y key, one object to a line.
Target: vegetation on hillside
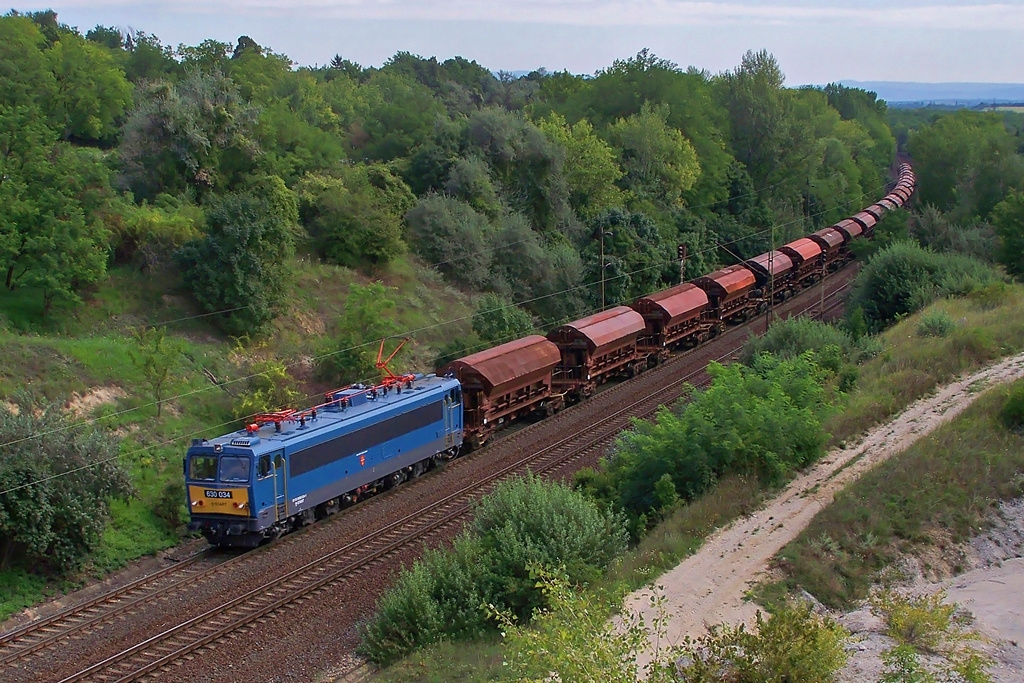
[{"x": 209, "y": 231}]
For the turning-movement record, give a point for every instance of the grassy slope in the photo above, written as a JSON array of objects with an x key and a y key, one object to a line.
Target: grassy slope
[
  {"x": 76, "y": 353},
  {"x": 988, "y": 327},
  {"x": 921, "y": 502}
]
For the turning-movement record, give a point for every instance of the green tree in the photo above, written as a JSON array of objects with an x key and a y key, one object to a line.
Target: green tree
[
  {"x": 658, "y": 161},
  {"x": 635, "y": 254},
  {"x": 92, "y": 92},
  {"x": 157, "y": 357},
  {"x": 192, "y": 134},
  {"x": 368, "y": 317},
  {"x": 497, "y": 320},
  {"x": 591, "y": 167},
  {"x": 621, "y": 91},
  {"x": 209, "y": 56},
  {"x": 1008, "y": 221},
  {"x": 397, "y": 113},
  {"x": 526, "y": 165},
  {"x": 759, "y": 114},
  {"x": 25, "y": 77},
  {"x": 966, "y": 162},
  {"x": 355, "y": 219},
  {"x": 240, "y": 268},
  {"x": 453, "y": 238},
  {"x": 48, "y": 239},
  {"x": 58, "y": 482},
  {"x": 148, "y": 59}
]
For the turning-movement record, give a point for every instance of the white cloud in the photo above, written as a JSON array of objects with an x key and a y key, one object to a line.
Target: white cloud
[{"x": 923, "y": 15}]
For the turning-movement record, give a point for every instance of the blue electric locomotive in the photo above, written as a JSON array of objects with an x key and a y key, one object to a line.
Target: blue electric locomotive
[{"x": 289, "y": 468}]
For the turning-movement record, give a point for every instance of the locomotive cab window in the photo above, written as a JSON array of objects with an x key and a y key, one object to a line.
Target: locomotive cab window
[
  {"x": 234, "y": 468},
  {"x": 264, "y": 466},
  {"x": 203, "y": 467}
]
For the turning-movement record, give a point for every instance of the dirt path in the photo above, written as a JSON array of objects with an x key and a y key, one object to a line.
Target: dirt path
[{"x": 708, "y": 587}]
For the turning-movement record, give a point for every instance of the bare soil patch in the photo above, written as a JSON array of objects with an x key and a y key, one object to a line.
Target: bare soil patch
[
  {"x": 710, "y": 586},
  {"x": 83, "y": 405}
]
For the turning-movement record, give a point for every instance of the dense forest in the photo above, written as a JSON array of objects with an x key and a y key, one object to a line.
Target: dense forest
[{"x": 213, "y": 230}]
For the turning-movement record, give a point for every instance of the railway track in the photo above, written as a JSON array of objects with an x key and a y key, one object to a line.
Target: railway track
[
  {"x": 155, "y": 654},
  {"x": 159, "y": 651}
]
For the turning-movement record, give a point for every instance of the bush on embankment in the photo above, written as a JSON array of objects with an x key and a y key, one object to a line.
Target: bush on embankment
[
  {"x": 524, "y": 523},
  {"x": 905, "y": 277},
  {"x": 764, "y": 420},
  {"x": 938, "y": 491}
]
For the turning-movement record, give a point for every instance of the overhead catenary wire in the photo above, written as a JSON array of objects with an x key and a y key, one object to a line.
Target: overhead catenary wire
[
  {"x": 412, "y": 333},
  {"x": 583, "y": 286},
  {"x": 225, "y": 311}
]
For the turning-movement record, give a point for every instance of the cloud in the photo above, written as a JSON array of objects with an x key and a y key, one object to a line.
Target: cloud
[{"x": 866, "y": 14}]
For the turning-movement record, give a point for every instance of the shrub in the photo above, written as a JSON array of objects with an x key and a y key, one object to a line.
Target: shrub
[
  {"x": 527, "y": 521},
  {"x": 792, "y": 337},
  {"x": 60, "y": 480},
  {"x": 240, "y": 268},
  {"x": 925, "y": 625},
  {"x": 523, "y": 523},
  {"x": 935, "y": 323},
  {"x": 905, "y": 277},
  {"x": 1012, "y": 413},
  {"x": 794, "y": 645},
  {"x": 439, "y": 596},
  {"x": 764, "y": 420}
]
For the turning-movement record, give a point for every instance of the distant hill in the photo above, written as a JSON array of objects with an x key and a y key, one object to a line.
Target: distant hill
[{"x": 898, "y": 93}]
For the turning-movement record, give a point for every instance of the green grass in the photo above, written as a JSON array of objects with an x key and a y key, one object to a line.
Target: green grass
[
  {"x": 134, "y": 531},
  {"x": 988, "y": 326},
  {"x": 80, "y": 349},
  {"x": 935, "y": 494},
  {"x": 444, "y": 662},
  {"x": 685, "y": 530}
]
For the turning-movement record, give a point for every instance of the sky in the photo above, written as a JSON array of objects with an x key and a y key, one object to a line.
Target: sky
[{"x": 815, "y": 41}]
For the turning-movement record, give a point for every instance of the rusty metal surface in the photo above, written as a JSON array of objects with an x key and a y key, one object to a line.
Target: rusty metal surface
[
  {"x": 895, "y": 199},
  {"x": 876, "y": 211},
  {"x": 828, "y": 238},
  {"x": 866, "y": 219},
  {"x": 781, "y": 264},
  {"x": 607, "y": 329},
  {"x": 887, "y": 204},
  {"x": 727, "y": 283},
  {"x": 507, "y": 364},
  {"x": 850, "y": 228},
  {"x": 675, "y": 304},
  {"x": 802, "y": 250}
]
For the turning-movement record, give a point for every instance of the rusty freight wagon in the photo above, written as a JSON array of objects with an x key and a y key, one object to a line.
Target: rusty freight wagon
[
  {"x": 505, "y": 383},
  {"x": 850, "y": 228},
  {"x": 595, "y": 349},
  {"x": 730, "y": 293},
  {"x": 833, "y": 244},
  {"x": 774, "y": 273},
  {"x": 867, "y": 220},
  {"x": 808, "y": 261},
  {"x": 673, "y": 318}
]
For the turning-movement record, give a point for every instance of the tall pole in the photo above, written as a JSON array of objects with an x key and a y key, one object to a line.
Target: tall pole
[{"x": 602, "y": 268}]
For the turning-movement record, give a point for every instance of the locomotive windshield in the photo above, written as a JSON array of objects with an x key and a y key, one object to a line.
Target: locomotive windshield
[
  {"x": 203, "y": 467},
  {"x": 234, "y": 468}
]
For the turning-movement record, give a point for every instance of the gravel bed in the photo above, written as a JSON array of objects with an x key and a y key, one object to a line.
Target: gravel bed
[{"x": 320, "y": 633}]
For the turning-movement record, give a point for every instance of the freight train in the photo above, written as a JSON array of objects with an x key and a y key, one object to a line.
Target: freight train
[{"x": 289, "y": 468}]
